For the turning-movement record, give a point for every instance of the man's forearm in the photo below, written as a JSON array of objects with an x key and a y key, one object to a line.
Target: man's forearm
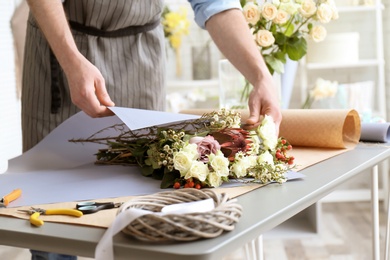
[
  {"x": 231, "y": 34},
  {"x": 51, "y": 18}
]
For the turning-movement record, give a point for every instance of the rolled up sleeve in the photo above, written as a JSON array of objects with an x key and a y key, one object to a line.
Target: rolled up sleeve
[{"x": 204, "y": 9}]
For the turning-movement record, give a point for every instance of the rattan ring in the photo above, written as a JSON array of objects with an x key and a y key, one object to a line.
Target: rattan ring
[{"x": 181, "y": 227}]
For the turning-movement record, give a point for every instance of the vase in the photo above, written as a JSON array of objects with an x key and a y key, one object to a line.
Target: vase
[
  {"x": 201, "y": 62},
  {"x": 287, "y": 82},
  {"x": 231, "y": 86}
]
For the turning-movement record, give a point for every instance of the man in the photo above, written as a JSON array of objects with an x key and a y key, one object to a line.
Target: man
[{"x": 90, "y": 55}]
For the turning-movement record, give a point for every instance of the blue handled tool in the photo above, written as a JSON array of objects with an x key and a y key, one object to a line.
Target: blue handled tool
[{"x": 88, "y": 207}]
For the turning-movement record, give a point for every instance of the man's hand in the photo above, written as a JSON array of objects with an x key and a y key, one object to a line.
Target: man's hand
[
  {"x": 86, "y": 83},
  {"x": 87, "y": 88},
  {"x": 231, "y": 34},
  {"x": 263, "y": 100}
]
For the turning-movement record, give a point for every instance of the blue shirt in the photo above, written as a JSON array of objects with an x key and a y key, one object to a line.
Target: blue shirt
[{"x": 204, "y": 9}]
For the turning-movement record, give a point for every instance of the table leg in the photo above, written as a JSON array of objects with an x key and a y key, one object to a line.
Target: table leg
[
  {"x": 375, "y": 213},
  {"x": 254, "y": 249},
  {"x": 387, "y": 225}
]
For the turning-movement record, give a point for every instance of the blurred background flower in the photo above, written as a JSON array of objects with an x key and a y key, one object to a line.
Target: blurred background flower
[
  {"x": 322, "y": 89},
  {"x": 176, "y": 25}
]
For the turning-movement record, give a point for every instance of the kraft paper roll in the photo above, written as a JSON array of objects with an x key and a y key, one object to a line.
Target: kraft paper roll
[{"x": 323, "y": 128}]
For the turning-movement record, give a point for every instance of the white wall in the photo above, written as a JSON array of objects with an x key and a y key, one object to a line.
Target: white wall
[{"x": 10, "y": 128}]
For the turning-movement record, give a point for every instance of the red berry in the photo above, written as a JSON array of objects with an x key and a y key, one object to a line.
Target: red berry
[
  {"x": 198, "y": 186},
  {"x": 289, "y": 147},
  {"x": 284, "y": 141},
  {"x": 176, "y": 185},
  {"x": 186, "y": 185},
  {"x": 191, "y": 184}
]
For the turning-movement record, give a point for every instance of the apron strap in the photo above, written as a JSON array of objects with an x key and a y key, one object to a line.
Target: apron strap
[{"x": 130, "y": 30}]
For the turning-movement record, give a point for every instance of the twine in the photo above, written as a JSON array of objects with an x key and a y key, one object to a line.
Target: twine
[{"x": 181, "y": 227}]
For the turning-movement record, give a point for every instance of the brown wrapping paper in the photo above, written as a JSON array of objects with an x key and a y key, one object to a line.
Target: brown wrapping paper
[{"x": 315, "y": 135}]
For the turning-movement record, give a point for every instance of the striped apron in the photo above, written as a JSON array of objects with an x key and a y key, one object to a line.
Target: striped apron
[{"x": 122, "y": 38}]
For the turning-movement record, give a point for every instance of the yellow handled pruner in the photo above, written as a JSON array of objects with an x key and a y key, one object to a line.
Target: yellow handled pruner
[
  {"x": 10, "y": 197},
  {"x": 36, "y": 212}
]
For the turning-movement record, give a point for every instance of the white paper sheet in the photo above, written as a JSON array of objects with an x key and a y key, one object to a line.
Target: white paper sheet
[{"x": 57, "y": 170}]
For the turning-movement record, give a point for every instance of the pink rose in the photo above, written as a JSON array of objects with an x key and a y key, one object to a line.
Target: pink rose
[{"x": 206, "y": 145}]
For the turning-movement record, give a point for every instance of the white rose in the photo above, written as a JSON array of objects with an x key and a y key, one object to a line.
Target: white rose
[
  {"x": 266, "y": 157},
  {"x": 267, "y": 132},
  {"x": 318, "y": 33},
  {"x": 251, "y": 12},
  {"x": 198, "y": 170},
  {"x": 191, "y": 149},
  {"x": 241, "y": 164},
  {"x": 289, "y": 7},
  {"x": 182, "y": 162},
  {"x": 214, "y": 179},
  {"x": 335, "y": 12},
  {"x": 308, "y": 8},
  {"x": 281, "y": 17},
  {"x": 264, "y": 38},
  {"x": 269, "y": 11},
  {"x": 324, "y": 13},
  {"x": 255, "y": 144},
  {"x": 219, "y": 163}
]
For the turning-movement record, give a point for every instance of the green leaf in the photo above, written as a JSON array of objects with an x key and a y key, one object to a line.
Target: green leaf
[
  {"x": 280, "y": 38},
  {"x": 158, "y": 174},
  {"x": 296, "y": 48},
  {"x": 169, "y": 179},
  {"x": 275, "y": 64},
  {"x": 147, "y": 171}
]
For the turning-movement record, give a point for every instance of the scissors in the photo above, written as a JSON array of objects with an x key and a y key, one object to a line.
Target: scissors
[
  {"x": 36, "y": 212},
  {"x": 88, "y": 207}
]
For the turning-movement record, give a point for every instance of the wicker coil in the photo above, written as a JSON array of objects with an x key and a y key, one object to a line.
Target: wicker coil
[{"x": 181, "y": 227}]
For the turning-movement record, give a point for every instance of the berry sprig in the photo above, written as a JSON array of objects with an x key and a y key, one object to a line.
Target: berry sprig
[
  {"x": 281, "y": 152},
  {"x": 189, "y": 183}
]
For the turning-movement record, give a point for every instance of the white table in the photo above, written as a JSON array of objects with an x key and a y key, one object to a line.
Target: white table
[{"x": 263, "y": 209}]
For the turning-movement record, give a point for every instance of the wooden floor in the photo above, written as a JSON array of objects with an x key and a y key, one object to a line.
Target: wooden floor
[{"x": 345, "y": 235}]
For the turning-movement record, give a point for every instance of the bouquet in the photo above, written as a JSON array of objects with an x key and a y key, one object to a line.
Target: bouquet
[
  {"x": 280, "y": 27},
  {"x": 204, "y": 152}
]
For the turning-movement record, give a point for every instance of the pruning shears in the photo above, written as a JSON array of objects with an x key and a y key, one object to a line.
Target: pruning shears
[
  {"x": 36, "y": 212},
  {"x": 88, "y": 207},
  {"x": 13, "y": 195}
]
